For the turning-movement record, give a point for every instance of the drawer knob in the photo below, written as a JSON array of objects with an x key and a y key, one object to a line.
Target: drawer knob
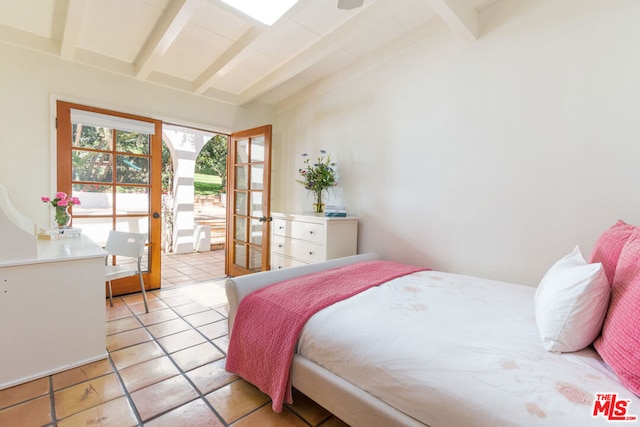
[
  {"x": 280, "y": 227},
  {"x": 280, "y": 245},
  {"x": 310, "y": 253},
  {"x": 311, "y": 232}
]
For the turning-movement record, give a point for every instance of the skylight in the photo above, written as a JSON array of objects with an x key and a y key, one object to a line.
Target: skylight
[{"x": 264, "y": 11}]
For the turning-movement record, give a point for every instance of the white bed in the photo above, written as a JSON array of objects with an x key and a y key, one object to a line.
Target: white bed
[{"x": 439, "y": 349}]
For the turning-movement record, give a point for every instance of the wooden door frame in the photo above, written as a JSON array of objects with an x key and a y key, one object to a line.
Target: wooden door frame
[
  {"x": 152, "y": 278},
  {"x": 265, "y": 130}
]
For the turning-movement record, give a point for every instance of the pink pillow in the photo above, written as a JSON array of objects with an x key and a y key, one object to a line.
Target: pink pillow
[
  {"x": 619, "y": 344},
  {"x": 609, "y": 245}
]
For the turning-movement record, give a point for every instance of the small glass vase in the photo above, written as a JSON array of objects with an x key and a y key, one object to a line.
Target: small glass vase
[
  {"x": 318, "y": 206},
  {"x": 61, "y": 217}
]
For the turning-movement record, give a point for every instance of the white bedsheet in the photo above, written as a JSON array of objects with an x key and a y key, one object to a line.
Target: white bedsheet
[{"x": 453, "y": 350}]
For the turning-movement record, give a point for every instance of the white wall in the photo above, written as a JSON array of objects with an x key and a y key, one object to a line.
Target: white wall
[
  {"x": 29, "y": 81},
  {"x": 491, "y": 158}
]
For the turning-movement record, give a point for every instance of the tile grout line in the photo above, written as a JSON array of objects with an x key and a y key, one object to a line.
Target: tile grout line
[
  {"x": 117, "y": 374},
  {"x": 131, "y": 312},
  {"x": 211, "y": 341},
  {"x": 51, "y": 389},
  {"x": 182, "y": 373},
  {"x": 299, "y": 416},
  {"x": 54, "y": 418},
  {"x": 125, "y": 389}
]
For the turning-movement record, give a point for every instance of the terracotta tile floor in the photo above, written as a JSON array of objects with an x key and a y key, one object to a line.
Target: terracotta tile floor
[
  {"x": 180, "y": 269},
  {"x": 164, "y": 368}
]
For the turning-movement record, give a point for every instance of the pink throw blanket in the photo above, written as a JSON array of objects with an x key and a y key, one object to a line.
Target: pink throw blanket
[{"x": 269, "y": 321}]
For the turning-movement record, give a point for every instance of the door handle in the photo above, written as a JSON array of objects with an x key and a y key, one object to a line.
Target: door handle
[
  {"x": 156, "y": 215},
  {"x": 265, "y": 219}
]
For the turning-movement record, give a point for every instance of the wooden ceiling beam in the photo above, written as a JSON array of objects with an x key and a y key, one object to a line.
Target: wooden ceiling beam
[
  {"x": 459, "y": 16},
  {"x": 201, "y": 83},
  {"x": 71, "y": 22},
  {"x": 314, "y": 53},
  {"x": 163, "y": 35}
]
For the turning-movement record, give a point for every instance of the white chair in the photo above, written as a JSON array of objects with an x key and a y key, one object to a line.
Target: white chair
[{"x": 122, "y": 244}]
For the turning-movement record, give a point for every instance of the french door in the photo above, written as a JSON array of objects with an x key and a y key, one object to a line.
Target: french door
[
  {"x": 112, "y": 162},
  {"x": 248, "y": 207}
]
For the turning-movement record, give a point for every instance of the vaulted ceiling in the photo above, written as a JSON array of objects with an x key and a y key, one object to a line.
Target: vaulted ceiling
[{"x": 207, "y": 48}]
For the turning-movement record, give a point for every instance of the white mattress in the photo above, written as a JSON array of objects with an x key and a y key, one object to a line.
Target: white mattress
[{"x": 453, "y": 350}]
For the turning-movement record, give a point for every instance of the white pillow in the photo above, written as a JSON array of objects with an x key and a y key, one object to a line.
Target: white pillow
[{"x": 570, "y": 303}]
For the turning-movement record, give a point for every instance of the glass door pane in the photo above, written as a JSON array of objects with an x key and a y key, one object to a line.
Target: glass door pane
[
  {"x": 115, "y": 174},
  {"x": 250, "y": 202}
]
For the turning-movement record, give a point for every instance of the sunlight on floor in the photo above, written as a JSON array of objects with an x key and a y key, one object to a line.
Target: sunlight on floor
[{"x": 210, "y": 294}]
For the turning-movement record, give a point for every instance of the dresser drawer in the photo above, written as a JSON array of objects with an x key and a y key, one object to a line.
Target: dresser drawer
[
  {"x": 296, "y": 248},
  {"x": 281, "y": 227},
  {"x": 312, "y": 232},
  {"x": 298, "y": 239},
  {"x": 278, "y": 261}
]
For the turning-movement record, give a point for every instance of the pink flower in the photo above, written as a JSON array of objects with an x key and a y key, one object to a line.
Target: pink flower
[{"x": 61, "y": 200}]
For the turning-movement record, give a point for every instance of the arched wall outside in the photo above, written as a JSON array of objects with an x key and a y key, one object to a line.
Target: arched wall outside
[{"x": 184, "y": 144}]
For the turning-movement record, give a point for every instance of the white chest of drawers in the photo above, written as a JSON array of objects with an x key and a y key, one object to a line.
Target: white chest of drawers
[{"x": 298, "y": 239}]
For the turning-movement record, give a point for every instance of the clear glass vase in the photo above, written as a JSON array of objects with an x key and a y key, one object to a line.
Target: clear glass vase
[
  {"x": 318, "y": 205},
  {"x": 61, "y": 217}
]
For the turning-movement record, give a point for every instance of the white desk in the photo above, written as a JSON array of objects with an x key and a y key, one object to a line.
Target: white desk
[{"x": 52, "y": 310}]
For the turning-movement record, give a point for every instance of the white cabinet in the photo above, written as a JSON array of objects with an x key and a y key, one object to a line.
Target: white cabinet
[
  {"x": 52, "y": 312},
  {"x": 305, "y": 239}
]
